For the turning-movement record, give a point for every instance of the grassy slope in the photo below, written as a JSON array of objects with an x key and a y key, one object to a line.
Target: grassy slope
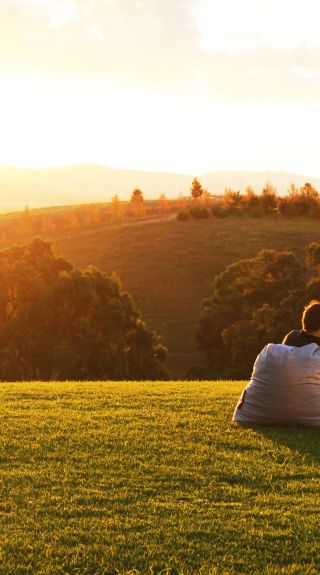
[
  {"x": 169, "y": 266},
  {"x": 101, "y": 478}
]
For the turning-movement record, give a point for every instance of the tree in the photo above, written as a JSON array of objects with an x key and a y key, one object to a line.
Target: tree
[
  {"x": 137, "y": 202},
  {"x": 196, "y": 189},
  {"x": 268, "y": 198},
  {"x": 117, "y": 212},
  {"x": 181, "y": 202},
  {"x": 310, "y": 199},
  {"x": 27, "y": 223},
  {"x": 207, "y": 197},
  {"x": 164, "y": 204},
  {"x": 254, "y": 301},
  {"x": 308, "y": 191},
  {"x": 57, "y": 322},
  {"x": 137, "y": 197},
  {"x": 250, "y": 201},
  {"x": 302, "y": 202},
  {"x": 91, "y": 215},
  {"x": 313, "y": 256},
  {"x": 233, "y": 200}
]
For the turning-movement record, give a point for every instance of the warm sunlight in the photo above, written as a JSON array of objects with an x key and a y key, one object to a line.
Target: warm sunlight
[
  {"x": 153, "y": 87},
  {"x": 159, "y": 287},
  {"x": 47, "y": 123}
]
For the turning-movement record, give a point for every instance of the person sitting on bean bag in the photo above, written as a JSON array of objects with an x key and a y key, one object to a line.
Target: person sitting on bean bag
[{"x": 284, "y": 388}]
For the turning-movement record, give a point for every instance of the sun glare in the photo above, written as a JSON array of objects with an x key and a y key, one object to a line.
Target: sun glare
[
  {"x": 225, "y": 107},
  {"x": 47, "y": 123}
]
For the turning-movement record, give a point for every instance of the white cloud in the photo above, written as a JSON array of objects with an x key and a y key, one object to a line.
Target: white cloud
[
  {"x": 232, "y": 26},
  {"x": 62, "y": 13},
  {"x": 256, "y": 49},
  {"x": 96, "y": 33}
]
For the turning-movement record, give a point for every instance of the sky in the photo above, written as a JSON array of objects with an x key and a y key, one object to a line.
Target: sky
[{"x": 189, "y": 86}]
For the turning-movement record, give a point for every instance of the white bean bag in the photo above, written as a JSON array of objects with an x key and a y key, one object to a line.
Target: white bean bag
[{"x": 284, "y": 388}]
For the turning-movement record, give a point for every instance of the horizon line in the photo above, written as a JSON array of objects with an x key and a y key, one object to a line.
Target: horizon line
[{"x": 150, "y": 171}]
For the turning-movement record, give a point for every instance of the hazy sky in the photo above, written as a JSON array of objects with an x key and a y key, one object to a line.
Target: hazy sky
[{"x": 170, "y": 85}]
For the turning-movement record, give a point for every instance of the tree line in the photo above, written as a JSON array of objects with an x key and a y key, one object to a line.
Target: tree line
[
  {"x": 303, "y": 201},
  {"x": 199, "y": 204},
  {"x": 54, "y": 222}
]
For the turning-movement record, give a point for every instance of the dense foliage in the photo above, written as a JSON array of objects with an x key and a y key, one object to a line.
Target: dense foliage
[
  {"x": 57, "y": 322},
  {"x": 254, "y": 301}
]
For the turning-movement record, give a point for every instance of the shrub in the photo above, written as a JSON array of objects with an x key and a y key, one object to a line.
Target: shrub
[
  {"x": 183, "y": 216},
  {"x": 257, "y": 212},
  {"x": 199, "y": 212},
  {"x": 220, "y": 211}
]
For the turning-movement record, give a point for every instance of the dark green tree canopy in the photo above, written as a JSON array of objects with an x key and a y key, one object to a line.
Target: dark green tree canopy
[
  {"x": 57, "y": 322},
  {"x": 254, "y": 301}
]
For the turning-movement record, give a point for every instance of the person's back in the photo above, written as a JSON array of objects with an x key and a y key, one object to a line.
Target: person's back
[
  {"x": 285, "y": 384},
  {"x": 284, "y": 388}
]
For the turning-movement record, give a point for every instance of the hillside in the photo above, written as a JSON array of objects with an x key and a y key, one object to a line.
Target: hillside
[
  {"x": 91, "y": 183},
  {"x": 168, "y": 266},
  {"x": 149, "y": 478}
]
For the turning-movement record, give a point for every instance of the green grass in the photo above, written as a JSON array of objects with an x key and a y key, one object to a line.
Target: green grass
[{"x": 111, "y": 478}]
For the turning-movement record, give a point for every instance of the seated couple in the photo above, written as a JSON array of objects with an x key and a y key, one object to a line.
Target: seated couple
[{"x": 285, "y": 384}]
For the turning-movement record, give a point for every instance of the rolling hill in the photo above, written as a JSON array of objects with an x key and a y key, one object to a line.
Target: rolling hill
[
  {"x": 169, "y": 266},
  {"x": 91, "y": 183}
]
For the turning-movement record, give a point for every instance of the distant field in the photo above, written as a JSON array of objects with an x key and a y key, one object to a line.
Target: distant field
[
  {"x": 169, "y": 266},
  {"x": 108, "y": 478}
]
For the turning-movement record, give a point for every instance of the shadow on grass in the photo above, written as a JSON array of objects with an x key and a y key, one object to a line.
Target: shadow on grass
[{"x": 304, "y": 440}]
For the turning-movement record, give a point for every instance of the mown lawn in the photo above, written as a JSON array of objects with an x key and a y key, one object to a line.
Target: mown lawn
[{"x": 111, "y": 478}]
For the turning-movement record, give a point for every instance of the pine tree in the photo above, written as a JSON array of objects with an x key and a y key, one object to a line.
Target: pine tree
[{"x": 196, "y": 189}]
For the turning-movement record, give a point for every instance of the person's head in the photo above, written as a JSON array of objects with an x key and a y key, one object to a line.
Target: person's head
[{"x": 311, "y": 316}]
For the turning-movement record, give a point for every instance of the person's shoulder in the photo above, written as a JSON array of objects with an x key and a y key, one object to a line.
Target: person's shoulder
[
  {"x": 292, "y": 338},
  {"x": 294, "y": 332}
]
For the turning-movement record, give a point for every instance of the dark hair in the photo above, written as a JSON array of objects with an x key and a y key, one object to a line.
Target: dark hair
[{"x": 311, "y": 316}]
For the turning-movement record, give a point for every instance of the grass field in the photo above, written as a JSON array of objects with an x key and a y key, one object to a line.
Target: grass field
[{"x": 112, "y": 478}]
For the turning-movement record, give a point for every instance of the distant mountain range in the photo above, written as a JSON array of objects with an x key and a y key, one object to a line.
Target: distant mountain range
[{"x": 86, "y": 183}]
